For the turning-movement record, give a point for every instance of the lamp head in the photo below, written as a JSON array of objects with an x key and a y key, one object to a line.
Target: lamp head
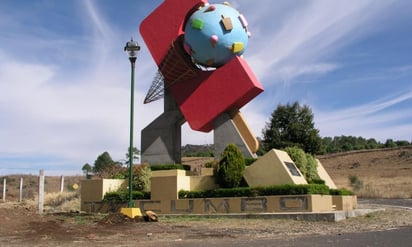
[{"x": 132, "y": 47}]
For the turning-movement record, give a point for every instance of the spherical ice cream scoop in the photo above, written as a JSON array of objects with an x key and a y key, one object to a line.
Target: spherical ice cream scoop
[{"x": 214, "y": 34}]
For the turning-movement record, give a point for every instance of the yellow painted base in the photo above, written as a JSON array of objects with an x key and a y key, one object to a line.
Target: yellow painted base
[{"x": 131, "y": 212}]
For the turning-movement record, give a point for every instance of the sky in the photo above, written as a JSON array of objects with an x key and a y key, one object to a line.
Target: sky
[{"x": 65, "y": 79}]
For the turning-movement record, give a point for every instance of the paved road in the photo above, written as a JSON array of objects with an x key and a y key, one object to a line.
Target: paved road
[
  {"x": 394, "y": 237},
  {"x": 398, "y": 237},
  {"x": 402, "y": 203}
]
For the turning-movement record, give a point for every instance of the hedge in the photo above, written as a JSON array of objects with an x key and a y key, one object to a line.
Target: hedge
[
  {"x": 341, "y": 192},
  {"x": 169, "y": 167},
  {"x": 260, "y": 191},
  {"x": 123, "y": 196},
  {"x": 276, "y": 190}
]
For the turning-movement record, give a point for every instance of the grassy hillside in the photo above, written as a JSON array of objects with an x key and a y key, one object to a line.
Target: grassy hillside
[{"x": 383, "y": 173}]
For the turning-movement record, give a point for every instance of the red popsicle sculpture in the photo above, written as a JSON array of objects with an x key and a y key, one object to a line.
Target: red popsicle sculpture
[{"x": 197, "y": 47}]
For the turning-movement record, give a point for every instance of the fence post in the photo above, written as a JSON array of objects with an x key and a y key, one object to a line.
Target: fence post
[
  {"x": 61, "y": 184},
  {"x": 4, "y": 189},
  {"x": 21, "y": 190},
  {"x": 41, "y": 191}
]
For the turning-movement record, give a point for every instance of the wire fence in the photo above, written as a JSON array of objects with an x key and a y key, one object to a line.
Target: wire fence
[{"x": 18, "y": 188}]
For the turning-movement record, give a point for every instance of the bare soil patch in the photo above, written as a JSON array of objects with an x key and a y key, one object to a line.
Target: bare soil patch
[{"x": 22, "y": 226}]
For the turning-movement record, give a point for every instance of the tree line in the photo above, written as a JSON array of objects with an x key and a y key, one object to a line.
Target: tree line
[
  {"x": 293, "y": 125},
  {"x": 349, "y": 143}
]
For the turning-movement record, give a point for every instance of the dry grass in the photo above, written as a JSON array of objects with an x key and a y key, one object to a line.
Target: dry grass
[
  {"x": 383, "y": 173},
  {"x": 53, "y": 202},
  {"x": 62, "y": 201},
  {"x": 386, "y": 188}
]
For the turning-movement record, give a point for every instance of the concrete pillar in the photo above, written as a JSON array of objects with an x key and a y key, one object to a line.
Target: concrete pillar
[
  {"x": 162, "y": 139},
  {"x": 4, "y": 189},
  {"x": 41, "y": 191},
  {"x": 61, "y": 184},
  {"x": 21, "y": 190}
]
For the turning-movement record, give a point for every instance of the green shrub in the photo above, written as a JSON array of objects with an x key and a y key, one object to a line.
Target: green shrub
[
  {"x": 311, "y": 169},
  {"x": 292, "y": 189},
  {"x": 317, "y": 181},
  {"x": 123, "y": 196},
  {"x": 249, "y": 161},
  {"x": 191, "y": 194},
  {"x": 318, "y": 189},
  {"x": 230, "y": 169},
  {"x": 340, "y": 192},
  {"x": 288, "y": 189},
  {"x": 404, "y": 154},
  {"x": 299, "y": 158},
  {"x": 211, "y": 164},
  {"x": 355, "y": 182},
  {"x": 169, "y": 167},
  {"x": 233, "y": 192},
  {"x": 306, "y": 163},
  {"x": 141, "y": 177}
]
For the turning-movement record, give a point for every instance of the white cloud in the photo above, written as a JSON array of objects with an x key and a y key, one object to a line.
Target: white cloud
[
  {"x": 367, "y": 109},
  {"x": 310, "y": 33},
  {"x": 72, "y": 117},
  {"x": 371, "y": 120},
  {"x": 24, "y": 76},
  {"x": 100, "y": 27},
  {"x": 289, "y": 72}
]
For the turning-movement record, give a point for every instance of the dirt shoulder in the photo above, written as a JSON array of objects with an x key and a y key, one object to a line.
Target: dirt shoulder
[{"x": 22, "y": 226}]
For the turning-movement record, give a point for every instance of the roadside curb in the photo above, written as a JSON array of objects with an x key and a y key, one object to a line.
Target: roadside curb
[{"x": 332, "y": 216}]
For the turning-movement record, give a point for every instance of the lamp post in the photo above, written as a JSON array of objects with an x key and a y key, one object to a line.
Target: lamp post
[{"x": 132, "y": 47}]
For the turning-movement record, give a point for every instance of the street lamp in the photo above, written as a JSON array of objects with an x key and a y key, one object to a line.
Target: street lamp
[{"x": 132, "y": 47}]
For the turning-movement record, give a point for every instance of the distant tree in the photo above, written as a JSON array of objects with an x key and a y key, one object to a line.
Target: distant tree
[
  {"x": 190, "y": 150},
  {"x": 103, "y": 162},
  {"x": 372, "y": 144},
  {"x": 327, "y": 146},
  {"x": 349, "y": 143},
  {"x": 292, "y": 125},
  {"x": 390, "y": 143},
  {"x": 261, "y": 151},
  {"x": 402, "y": 143},
  {"x": 136, "y": 153},
  {"x": 229, "y": 171},
  {"x": 87, "y": 168}
]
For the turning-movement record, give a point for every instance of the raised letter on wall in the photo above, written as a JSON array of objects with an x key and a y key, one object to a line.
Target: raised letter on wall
[
  {"x": 254, "y": 204},
  {"x": 222, "y": 205},
  {"x": 189, "y": 208}
]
